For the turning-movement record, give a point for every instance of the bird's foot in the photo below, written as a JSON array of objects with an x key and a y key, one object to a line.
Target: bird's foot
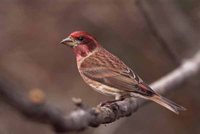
[{"x": 109, "y": 102}]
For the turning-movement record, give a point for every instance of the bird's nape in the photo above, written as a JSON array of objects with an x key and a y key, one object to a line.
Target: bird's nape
[{"x": 82, "y": 43}]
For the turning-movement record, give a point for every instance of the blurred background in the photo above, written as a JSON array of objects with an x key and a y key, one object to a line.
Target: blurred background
[{"x": 153, "y": 37}]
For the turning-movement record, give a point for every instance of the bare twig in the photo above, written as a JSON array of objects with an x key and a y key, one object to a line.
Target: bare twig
[
  {"x": 171, "y": 27},
  {"x": 83, "y": 117},
  {"x": 155, "y": 31}
]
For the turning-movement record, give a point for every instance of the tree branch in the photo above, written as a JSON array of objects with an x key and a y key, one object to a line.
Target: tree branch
[
  {"x": 175, "y": 34},
  {"x": 83, "y": 116}
]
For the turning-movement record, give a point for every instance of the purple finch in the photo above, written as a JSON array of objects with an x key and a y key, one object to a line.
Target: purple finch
[{"x": 107, "y": 74}]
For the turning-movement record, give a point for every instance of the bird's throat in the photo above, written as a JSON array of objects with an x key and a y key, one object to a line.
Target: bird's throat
[{"x": 81, "y": 51}]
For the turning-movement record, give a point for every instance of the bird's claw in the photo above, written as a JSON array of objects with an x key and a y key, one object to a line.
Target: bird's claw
[
  {"x": 105, "y": 103},
  {"x": 109, "y": 102}
]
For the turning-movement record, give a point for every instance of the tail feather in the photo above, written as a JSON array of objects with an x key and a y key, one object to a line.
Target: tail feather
[{"x": 167, "y": 104}]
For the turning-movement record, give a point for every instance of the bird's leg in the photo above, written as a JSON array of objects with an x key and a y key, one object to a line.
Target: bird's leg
[
  {"x": 109, "y": 102},
  {"x": 117, "y": 98}
]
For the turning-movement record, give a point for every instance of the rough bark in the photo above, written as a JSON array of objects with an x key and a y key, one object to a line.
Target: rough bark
[{"x": 83, "y": 116}]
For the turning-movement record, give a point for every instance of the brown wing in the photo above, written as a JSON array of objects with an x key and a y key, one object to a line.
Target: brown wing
[{"x": 107, "y": 69}]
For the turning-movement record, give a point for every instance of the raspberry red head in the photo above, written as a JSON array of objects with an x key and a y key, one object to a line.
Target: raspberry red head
[{"x": 81, "y": 42}]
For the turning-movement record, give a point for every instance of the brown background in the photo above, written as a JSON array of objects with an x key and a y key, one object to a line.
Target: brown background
[{"x": 30, "y": 55}]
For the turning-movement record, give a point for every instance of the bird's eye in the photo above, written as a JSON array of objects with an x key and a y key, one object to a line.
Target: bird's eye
[{"x": 80, "y": 38}]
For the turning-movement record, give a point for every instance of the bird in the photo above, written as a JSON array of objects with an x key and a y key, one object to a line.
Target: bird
[{"x": 109, "y": 75}]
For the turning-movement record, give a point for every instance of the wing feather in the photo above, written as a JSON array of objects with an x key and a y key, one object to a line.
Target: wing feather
[{"x": 117, "y": 76}]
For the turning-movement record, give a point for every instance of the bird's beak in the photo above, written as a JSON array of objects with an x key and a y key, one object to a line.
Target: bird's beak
[{"x": 68, "y": 41}]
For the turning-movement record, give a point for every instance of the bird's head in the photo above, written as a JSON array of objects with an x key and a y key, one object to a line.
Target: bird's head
[{"x": 81, "y": 42}]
